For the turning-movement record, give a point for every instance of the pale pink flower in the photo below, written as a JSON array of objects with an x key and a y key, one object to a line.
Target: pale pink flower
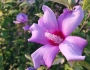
[{"x": 54, "y": 35}]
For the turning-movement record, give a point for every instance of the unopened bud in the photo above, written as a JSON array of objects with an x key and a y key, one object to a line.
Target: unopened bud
[{"x": 71, "y": 3}]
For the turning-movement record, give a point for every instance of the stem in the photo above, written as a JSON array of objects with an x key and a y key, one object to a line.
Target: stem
[
  {"x": 83, "y": 25},
  {"x": 25, "y": 38}
]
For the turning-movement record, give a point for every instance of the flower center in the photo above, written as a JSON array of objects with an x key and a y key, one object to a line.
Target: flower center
[{"x": 55, "y": 38}]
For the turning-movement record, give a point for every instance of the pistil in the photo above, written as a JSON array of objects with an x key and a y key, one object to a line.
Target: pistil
[{"x": 55, "y": 38}]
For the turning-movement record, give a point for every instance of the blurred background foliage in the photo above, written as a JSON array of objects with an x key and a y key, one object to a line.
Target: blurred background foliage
[{"x": 15, "y": 50}]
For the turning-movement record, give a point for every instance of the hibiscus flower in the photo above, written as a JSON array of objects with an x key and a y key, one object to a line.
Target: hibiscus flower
[{"x": 54, "y": 33}]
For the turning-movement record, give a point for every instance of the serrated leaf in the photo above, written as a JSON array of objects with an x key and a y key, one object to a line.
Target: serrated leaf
[
  {"x": 39, "y": 14},
  {"x": 24, "y": 3},
  {"x": 28, "y": 57},
  {"x": 1, "y": 13},
  {"x": 42, "y": 68},
  {"x": 12, "y": 11},
  {"x": 8, "y": 5},
  {"x": 8, "y": 1},
  {"x": 58, "y": 60},
  {"x": 64, "y": 2},
  {"x": 86, "y": 5},
  {"x": 30, "y": 63},
  {"x": 87, "y": 51},
  {"x": 67, "y": 67},
  {"x": 85, "y": 64},
  {"x": 77, "y": 66}
]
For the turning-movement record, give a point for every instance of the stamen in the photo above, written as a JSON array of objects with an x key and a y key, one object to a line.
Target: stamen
[{"x": 54, "y": 38}]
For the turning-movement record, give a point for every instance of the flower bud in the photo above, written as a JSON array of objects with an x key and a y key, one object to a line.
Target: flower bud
[
  {"x": 21, "y": 18},
  {"x": 26, "y": 28},
  {"x": 71, "y": 3}
]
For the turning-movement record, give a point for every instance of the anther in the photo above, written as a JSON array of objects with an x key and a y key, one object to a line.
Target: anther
[{"x": 54, "y": 38}]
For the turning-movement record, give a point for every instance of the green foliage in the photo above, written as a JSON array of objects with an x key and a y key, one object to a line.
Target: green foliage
[
  {"x": 64, "y": 2},
  {"x": 85, "y": 64},
  {"x": 1, "y": 60},
  {"x": 86, "y": 5}
]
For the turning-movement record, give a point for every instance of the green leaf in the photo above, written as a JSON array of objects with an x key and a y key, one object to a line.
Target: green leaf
[
  {"x": 4, "y": 34},
  {"x": 9, "y": 1},
  {"x": 24, "y": 4},
  {"x": 1, "y": 13},
  {"x": 42, "y": 68},
  {"x": 87, "y": 51},
  {"x": 86, "y": 5},
  {"x": 12, "y": 11},
  {"x": 71, "y": 3},
  {"x": 77, "y": 66},
  {"x": 39, "y": 14},
  {"x": 85, "y": 64},
  {"x": 1, "y": 61},
  {"x": 64, "y": 2},
  {"x": 67, "y": 67},
  {"x": 8, "y": 6},
  {"x": 58, "y": 60},
  {"x": 29, "y": 63},
  {"x": 28, "y": 57}
]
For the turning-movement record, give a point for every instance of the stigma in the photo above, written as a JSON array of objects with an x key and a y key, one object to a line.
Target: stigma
[{"x": 53, "y": 38}]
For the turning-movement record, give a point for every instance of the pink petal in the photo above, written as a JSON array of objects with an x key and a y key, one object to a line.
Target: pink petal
[
  {"x": 48, "y": 20},
  {"x": 72, "y": 48},
  {"x": 69, "y": 20},
  {"x": 76, "y": 1},
  {"x": 44, "y": 55},
  {"x": 38, "y": 34},
  {"x": 16, "y": 22}
]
